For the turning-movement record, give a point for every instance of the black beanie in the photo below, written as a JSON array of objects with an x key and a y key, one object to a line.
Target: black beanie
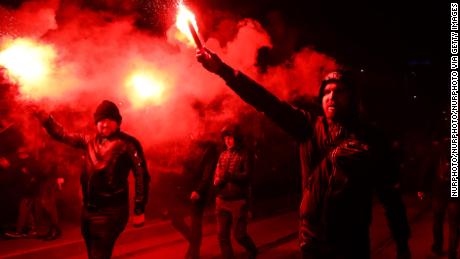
[
  {"x": 107, "y": 110},
  {"x": 347, "y": 79},
  {"x": 340, "y": 76}
]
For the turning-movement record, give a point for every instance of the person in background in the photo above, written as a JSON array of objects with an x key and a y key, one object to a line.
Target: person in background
[
  {"x": 50, "y": 186},
  {"x": 437, "y": 180},
  {"x": 27, "y": 170},
  {"x": 342, "y": 162},
  {"x": 232, "y": 183},
  {"x": 199, "y": 167}
]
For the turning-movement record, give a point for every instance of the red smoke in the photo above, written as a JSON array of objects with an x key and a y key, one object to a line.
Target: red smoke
[{"x": 98, "y": 52}]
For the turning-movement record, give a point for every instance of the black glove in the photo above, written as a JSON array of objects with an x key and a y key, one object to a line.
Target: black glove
[
  {"x": 209, "y": 60},
  {"x": 214, "y": 64}
]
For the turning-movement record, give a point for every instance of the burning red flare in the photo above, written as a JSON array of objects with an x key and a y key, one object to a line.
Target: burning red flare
[
  {"x": 144, "y": 88},
  {"x": 30, "y": 63},
  {"x": 186, "y": 23}
]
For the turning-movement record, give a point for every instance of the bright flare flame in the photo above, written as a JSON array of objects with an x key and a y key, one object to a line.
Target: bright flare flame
[
  {"x": 27, "y": 61},
  {"x": 183, "y": 17},
  {"x": 144, "y": 89}
]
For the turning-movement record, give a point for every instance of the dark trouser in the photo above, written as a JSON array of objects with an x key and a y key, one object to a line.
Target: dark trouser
[
  {"x": 26, "y": 217},
  {"x": 196, "y": 223},
  {"x": 177, "y": 217},
  {"x": 453, "y": 217},
  {"x": 439, "y": 213},
  {"x": 48, "y": 204},
  {"x": 440, "y": 207},
  {"x": 100, "y": 229},
  {"x": 227, "y": 213},
  {"x": 192, "y": 233}
]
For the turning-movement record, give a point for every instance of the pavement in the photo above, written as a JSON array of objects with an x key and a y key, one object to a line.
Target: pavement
[{"x": 274, "y": 232}]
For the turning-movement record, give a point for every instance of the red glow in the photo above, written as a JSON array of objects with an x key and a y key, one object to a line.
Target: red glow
[
  {"x": 144, "y": 88},
  {"x": 30, "y": 63},
  {"x": 158, "y": 83},
  {"x": 184, "y": 17}
]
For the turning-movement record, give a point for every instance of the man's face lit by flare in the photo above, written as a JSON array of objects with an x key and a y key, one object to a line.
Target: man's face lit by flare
[
  {"x": 335, "y": 101},
  {"x": 107, "y": 127},
  {"x": 229, "y": 142}
]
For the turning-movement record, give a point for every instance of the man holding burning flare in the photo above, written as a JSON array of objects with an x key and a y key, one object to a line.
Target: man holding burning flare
[
  {"x": 342, "y": 161},
  {"x": 110, "y": 155}
]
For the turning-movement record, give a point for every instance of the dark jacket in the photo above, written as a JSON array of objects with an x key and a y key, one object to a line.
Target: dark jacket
[
  {"x": 29, "y": 174},
  {"x": 338, "y": 172},
  {"x": 108, "y": 162},
  {"x": 436, "y": 174},
  {"x": 232, "y": 176},
  {"x": 199, "y": 167}
]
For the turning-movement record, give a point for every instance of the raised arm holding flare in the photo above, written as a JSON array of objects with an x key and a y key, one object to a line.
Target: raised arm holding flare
[{"x": 342, "y": 162}]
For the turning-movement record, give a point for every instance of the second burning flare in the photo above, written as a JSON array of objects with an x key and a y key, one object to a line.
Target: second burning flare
[{"x": 186, "y": 23}]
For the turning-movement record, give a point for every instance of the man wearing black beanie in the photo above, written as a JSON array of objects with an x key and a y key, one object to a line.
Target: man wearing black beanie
[
  {"x": 110, "y": 155},
  {"x": 342, "y": 163}
]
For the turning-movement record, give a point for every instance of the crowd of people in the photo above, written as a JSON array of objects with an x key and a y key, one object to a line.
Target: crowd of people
[
  {"x": 343, "y": 161},
  {"x": 37, "y": 186}
]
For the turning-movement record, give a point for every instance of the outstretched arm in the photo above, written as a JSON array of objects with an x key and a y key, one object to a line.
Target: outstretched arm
[
  {"x": 294, "y": 121},
  {"x": 56, "y": 131}
]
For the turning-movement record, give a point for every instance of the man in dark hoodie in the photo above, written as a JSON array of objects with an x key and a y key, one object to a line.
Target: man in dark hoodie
[
  {"x": 199, "y": 169},
  {"x": 342, "y": 161},
  {"x": 232, "y": 181},
  {"x": 110, "y": 155}
]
